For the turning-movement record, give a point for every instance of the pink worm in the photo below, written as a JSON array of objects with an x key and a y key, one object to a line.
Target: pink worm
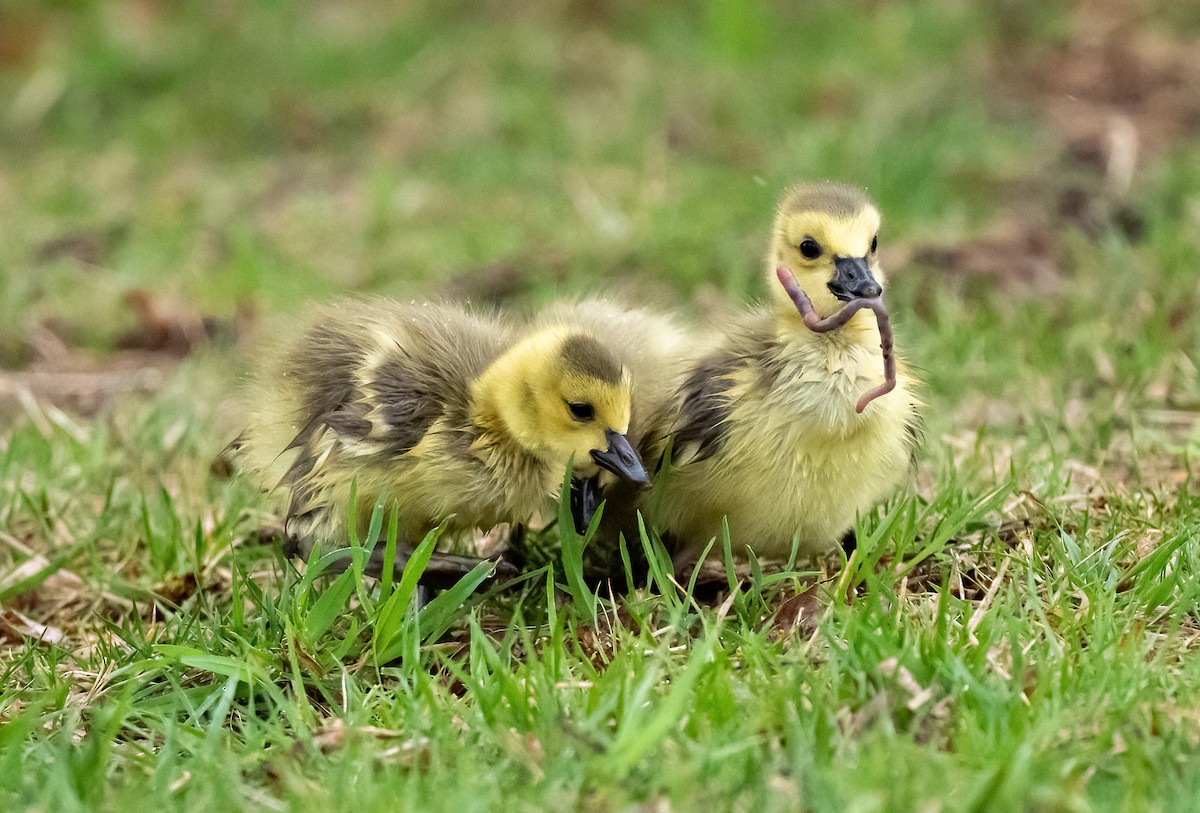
[{"x": 818, "y": 325}]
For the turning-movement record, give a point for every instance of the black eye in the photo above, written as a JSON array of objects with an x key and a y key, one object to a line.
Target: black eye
[
  {"x": 874, "y": 243},
  {"x": 582, "y": 412},
  {"x": 810, "y": 249}
]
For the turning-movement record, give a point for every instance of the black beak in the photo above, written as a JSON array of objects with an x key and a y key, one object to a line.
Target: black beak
[
  {"x": 620, "y": 458},
  {"x": 852, "y": 280},
  {"x": 585, "y": 496}
]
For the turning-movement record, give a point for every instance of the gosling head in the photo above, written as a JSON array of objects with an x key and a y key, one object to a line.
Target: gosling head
[
  {"x": 564, "y": 395},
  {"x": 828, "y": 235}
]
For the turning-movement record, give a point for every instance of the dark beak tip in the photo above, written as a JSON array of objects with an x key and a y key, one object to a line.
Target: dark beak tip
[
  {"x": 853, "y": 280},
  {"x": 620, "y": 459}
]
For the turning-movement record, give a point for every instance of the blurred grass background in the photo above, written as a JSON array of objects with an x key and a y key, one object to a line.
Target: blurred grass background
[
  {"x": 263, "y": 153},
  {"x": 174, "y": 175},
  {"x": 283, "y": 150}
]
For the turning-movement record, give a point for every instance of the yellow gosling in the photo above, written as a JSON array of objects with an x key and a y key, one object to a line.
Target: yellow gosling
[
  {"x": 446, "y": 413},
  {"x": 765, "y": 432}
]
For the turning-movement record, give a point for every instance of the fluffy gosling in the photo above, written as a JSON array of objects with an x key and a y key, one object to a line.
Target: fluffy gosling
[
  {"x": 766, "y": 432},
  {"x": 657, "y": 350},
  {"x": 445, "y": 413}
]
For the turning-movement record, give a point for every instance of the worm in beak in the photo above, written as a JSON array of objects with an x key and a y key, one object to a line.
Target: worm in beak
[{"x": 818, "y": 325}]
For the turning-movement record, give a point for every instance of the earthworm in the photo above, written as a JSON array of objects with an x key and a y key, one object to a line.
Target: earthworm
[{"x": 818, "y": 325}]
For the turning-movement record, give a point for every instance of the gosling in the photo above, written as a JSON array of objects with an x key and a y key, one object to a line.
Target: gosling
[
  {"x": 658, "y": 351},
  {"x": 766, "y": 434},
  {"x": 445, "y": 414}
]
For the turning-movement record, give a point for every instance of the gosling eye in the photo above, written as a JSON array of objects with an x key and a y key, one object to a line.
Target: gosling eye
[
  {"x": 874, "y": 243},
  {"x": 810, "y": 249},
  {"x": 582, "y": 412}
]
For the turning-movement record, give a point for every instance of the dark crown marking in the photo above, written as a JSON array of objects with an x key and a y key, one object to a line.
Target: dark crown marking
[
  {"x": 586, "y": 356},
  {"x": 836, "y": 199}
]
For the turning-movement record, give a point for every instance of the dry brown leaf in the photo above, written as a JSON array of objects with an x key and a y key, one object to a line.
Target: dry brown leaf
[
  {"x": 16, "y": 626},
  {"x": 27, "y": 569},
  {"x": 177, "y": 588},
  {"x": 800, "y": 614},
  {"x": 174, "y": 327}
]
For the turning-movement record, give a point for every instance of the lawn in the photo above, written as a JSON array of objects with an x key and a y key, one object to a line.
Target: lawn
[{"x": 1018, "y": 629}]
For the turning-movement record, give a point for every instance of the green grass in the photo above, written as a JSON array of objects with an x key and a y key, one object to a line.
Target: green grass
[{"x": 1016, "y": 632}]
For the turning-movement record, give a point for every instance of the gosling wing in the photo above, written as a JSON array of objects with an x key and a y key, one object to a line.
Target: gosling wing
[{"x": 745, "y": 363}]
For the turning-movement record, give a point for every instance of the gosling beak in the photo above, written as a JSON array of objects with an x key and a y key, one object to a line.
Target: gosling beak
[
  {"x": 585, "y": 496},
  {"x": 852, "y": 280},
  {"x": 620, "y": 458}
]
